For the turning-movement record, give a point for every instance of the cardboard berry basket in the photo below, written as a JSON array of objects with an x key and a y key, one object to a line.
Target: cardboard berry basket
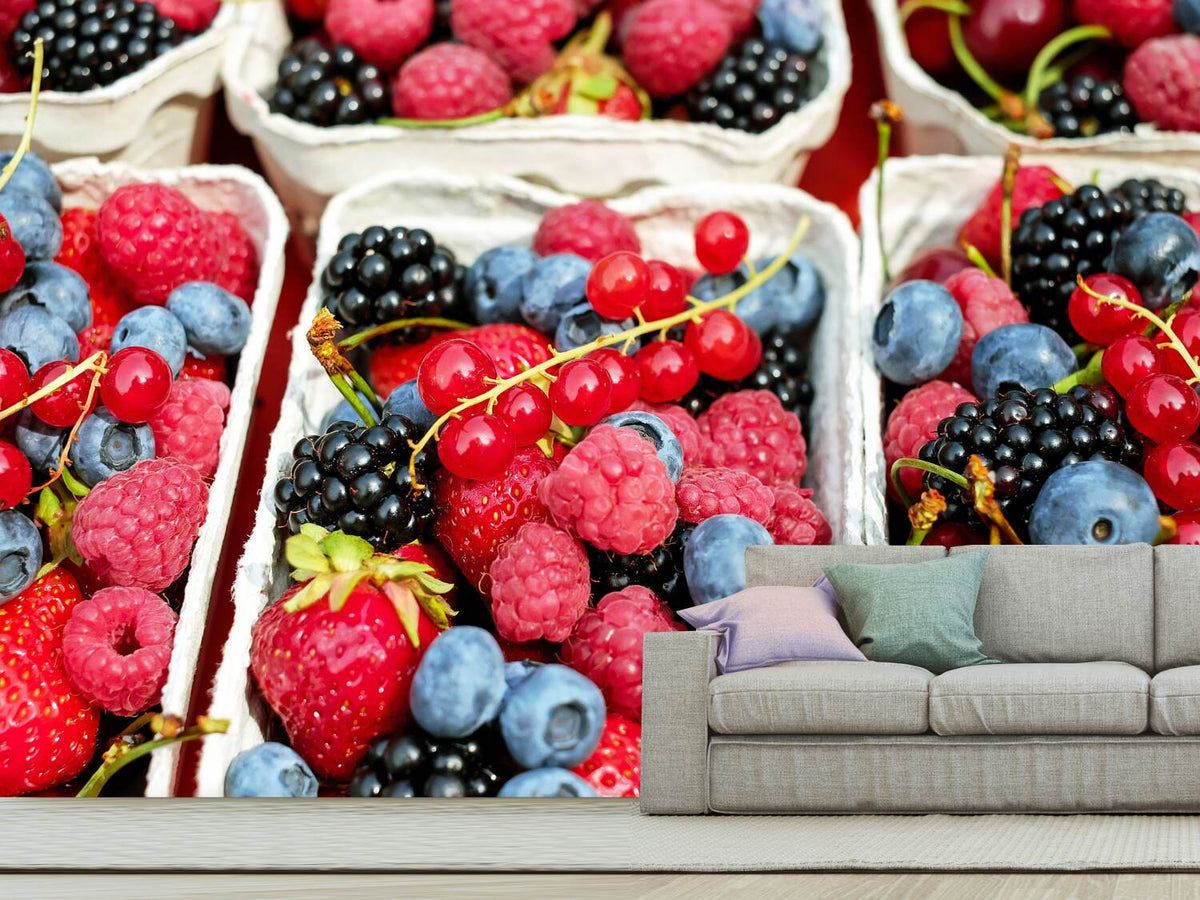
[
  {"x": 938, "y": 119},
  {"x": 159, "y": 116},
  {"x": 87, "y": 182},
  {"x": 470, "y": 216},
  {"x": 926, "y": 202},
  {"x": 588, "y": 155}
]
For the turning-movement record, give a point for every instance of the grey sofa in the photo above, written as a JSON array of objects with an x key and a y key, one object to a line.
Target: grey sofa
[{"x": 1097, "y": 708}]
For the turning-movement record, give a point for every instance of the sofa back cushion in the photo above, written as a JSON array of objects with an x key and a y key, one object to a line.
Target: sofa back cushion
[
  {"x": 1176, "y": 606},
  {"x": 1060, "y": 604},
  {"x": 768, "y": 565}
]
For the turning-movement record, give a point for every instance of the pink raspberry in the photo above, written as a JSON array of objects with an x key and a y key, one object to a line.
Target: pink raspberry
[
  {"x": 154, "y": 239},
  {"x": 795, "y": 520},
  {"x": 137, "y": 528},
  {"x": 188, "y": 426},
  {"x": 190, "y": 15},
  {"x": 519, "y": 36},
  {"x": 237, "y": 265},
  {"x": 541, "y": 584},
  {"x": 613, "y": 491},
  {"x": 671, "y": 44},
  {"x": 739, "y": 13},
  {"x": 383, "y": 32},
  {"x": 117, "y": 647},
  {"x": 987, "y": 303},
  {"x": 678, "y": 420},
  {"x": 588, "y": 229},
  {"x": 449, "y": 81},
  {"x": 914, "y": 422},
  {"x": 1132, "y": 22},
  {"x": 703, "y": 493},
  {"x": 1162, "y": 78},
  {"x": 751, "y": 431},
  {"x": 606, "y": 645}
]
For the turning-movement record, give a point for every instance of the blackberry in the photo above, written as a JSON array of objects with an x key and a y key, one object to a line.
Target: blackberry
[
  {"x": 1023, "y": 437},
  {"x": 91, "y": 43},
  {"x": 660, "y": 570},
  {"x": 783, "y": 371},
  {"x": 1144, "y": 196},
  {"x": 416, "y": 764},
  {"x": 328, "y": 86},
  {"x": 1086, "y": 107},
  {"x": 386, "y": 274},
  {"x": 752, "y": 88},
  {"x": 1067, "y": 237},
  {"x": 356, "y": 479}
]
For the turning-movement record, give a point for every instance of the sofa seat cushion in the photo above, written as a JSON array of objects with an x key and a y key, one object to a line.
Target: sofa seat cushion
[
  {"x": 827, "y": 697},
  {"x": 1041, "y": 698},
  {"x": 1175, "y": 701}
]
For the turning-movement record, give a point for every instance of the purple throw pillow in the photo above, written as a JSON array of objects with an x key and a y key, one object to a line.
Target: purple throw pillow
[{"x": 762, "y": 626}]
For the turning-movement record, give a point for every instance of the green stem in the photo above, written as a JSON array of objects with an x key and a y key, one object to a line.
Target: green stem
[
  {"x": 365, "y": 390},
  {"x": 375, "y": 331},
  {"x": 120, "y": 760},
  {"x": 976, "y": 257},
  {"x": 597, "y": 38},
  {"x": 1140, "y": 311},
  {"x": 35, "y": 90},
  {"x": 74, "y": 485},
  {"x": 429, "y": 124},
  {"x": 1046, "y": 55},
  {"x": 909, "y": 462},
  {"x": 885, "y": 145},
  {"x": 898, "y": 485},
  {"x": 954, "y": 7},
  {"x": 971, "y": 65},
  {"x": 343, "y": 384},
  {"x": 917, "y": 538},
  {"x": 1090, "y": 374}
]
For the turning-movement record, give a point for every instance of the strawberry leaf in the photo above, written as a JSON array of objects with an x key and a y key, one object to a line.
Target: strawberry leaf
[
  {"x": 346, "y": 552},
  {"x": 437, "y": 610},
  {"x": 432, "y": 584},
  {"x": 340, "y": 587},
  {"x": 597, "y": 87},
  {"x": 305, "y": 557},
  {"x": 407, "y": 609},
  {"x": 309, "y": 594}
]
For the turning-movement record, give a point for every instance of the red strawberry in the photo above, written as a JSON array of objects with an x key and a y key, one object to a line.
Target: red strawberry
[
  {"x": 335, "y": 657},
  {"x": 430, "y": 554},
  {"x": 615, "y": 768},
  {"x": 513, "y": 348},
  {"x": 81, "y": 252},
  {"x": 394, "y": 364},
  {"x": 1033, "y": 186},
  {"x": 211, "y": 368}
]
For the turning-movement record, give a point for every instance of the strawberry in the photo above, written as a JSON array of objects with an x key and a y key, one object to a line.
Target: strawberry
[
  {"x": 95, "y": 338},
  {"x": 211, "y": 368},
  {"x": 430, "y": 554},
  {"x": 47, "y": 731},
  {"x": 335, "y": 657},
  {"x": 81, "y": 252},
  {"x": 513, "y": 348},
  {"x": 394, "y": 364},
  {"x": 476, "y": 517},
  {"x": 615, "y": 768},
  {"x": 1033, "y": 186}
]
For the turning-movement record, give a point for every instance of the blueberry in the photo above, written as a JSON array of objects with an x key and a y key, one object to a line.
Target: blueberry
[
  {"x": 552, "y": 718},
  {"x": 806, "y": 301},
  {"x": 56, "y": 289},
  {"x": 34, "y": 224},
  {"x": 798, "y": 25},
  {"x": 917, "y": 332},
  {"x": 1022, "y": 355},
  {"x": 20, "y": 553},
  {"x": 1160, "y": 253},
  {"x": 547, "y": 782},
  {"x": 494, "y": 283},
  {"x": 269, "y": 770},
  {"x": 1187, "y": 15},
  {"x": 1094, "y": 502},
  {"x": 42, "y": 444},
  {"x": 556, "y": 284},
  {"x": 38, "y": 337},
  {"x": 33, "y": 176},
  {"x": 714, "y": 560},
  {"x": 106, "y": 446},
  {"x": 657, "y": 432},
  {"x": 758, "y": 309},
  {"x": 581, "y": 325},
  {"x": 214, "y": 320},
  {"x": 156, "y": 328},
  {"x": 516, "y": 672},
  {"x": 406, "y": 401},
  {"x": 343, "y": 412},
  {"x": 459, "y": 684}
]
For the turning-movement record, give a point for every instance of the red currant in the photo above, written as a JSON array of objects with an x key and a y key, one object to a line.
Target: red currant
[
  {"x": 12, "y": 258},
  {"x": 1186, "y": 326},
  {"x": 452, "y": 372},
  {"x": 14, "y": 379},
  {"x": 1102, "y": 323},
  {"x": 16, "y": 476},
  {"x": 1128, "y": 360},
  {"x": 624, "y": 374},
  {"x": 722, "y": 240},
  {"x": 136, "y": 384},
  {"x": 617, "y": 284},
  {"x": 1187, "y": 528},
  {"x": 750, "y": 359},
  {"x": 68, "y": 404},
  {"x": 526, "y": 410},
  {"x": 1163, "y": 408},
  {"x": 480, "y": 447},
  {"x": 582, "y": 393},
  {"x": 669, "y": 371},
  {"x": 666, "y": 294},
  {"x": 720, "y": 342},
  {"x": 1173, "y": 473}
]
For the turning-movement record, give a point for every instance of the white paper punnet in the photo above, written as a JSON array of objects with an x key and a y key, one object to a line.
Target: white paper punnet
[{"x": 469, "y": 216}]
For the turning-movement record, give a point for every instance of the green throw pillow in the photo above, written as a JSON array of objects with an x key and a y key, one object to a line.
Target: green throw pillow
[{"x": 921, "y": 613}]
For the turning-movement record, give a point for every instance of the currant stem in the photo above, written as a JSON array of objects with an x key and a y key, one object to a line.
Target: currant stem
[
  {"x": 1142, "y": 312},
  {"x": 121, "y": 754},
  {"x": 96, "y": 361},
  {"x": 886, "y": 114},
  {"x": 375, "y": 331},
  {"x": 35, "y": 90},
  {"x": 979, "y": 75},
  {"x": 954, "y": 7},
  {"x": 909, "y": 462},
  {"x": 1047, "y": 54}
]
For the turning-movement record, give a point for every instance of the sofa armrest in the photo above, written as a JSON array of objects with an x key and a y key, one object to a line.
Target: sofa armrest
[{"x": 675, "y": 674}]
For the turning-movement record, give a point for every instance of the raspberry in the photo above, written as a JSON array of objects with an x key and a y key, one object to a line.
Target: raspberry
[
  {"x": 190, "y": 15},
  {"x": 914, "y": 422},
  {"x": 795, "y": 519},
  {"x": 513, "y": 348},
  {"x": 1162, "y": 79},
  {"x": 449, "y": 81},
  {"x": 237, "y": 269},
  {"x": 703, "y": 493},
  {"x": 606, "y": 645},
  {"x": 1034, "y": 185},
  {"x": 751, "y": 431},
  {"x": 519, "y": 36},
  {"x": 615, "y": 767},
  {"x": 383, "y": 32},
  {"x": 672, "y": 44},
  {"x": 588, "y": 229},
  {"x": 540, "y": 584},
  {"x": 987, "y": 303},
  {"x": 678, "y": 421},
  {"x": 136, "y": 529},
  {"x": 739, "y": 13},
  {"x": 81, "y": 252},
  {"x": 189, "y": 425},
  {"x": 613, "y": 491},
  {"x": 154, "y": 239},
  {"x": 117, "y": 647},
  {"x": 1132, "y": 22},
  {"x": 211, "y": 368}
]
